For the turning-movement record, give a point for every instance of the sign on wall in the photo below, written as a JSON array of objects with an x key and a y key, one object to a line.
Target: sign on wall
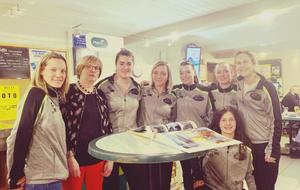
[
  {"x": 9, "y": 99},
  {"x": 14, "y": 62}
]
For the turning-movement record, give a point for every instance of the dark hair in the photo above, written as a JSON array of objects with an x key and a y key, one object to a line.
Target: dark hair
[
  {"x": 127, "y": 53},
  {"x": 184, "y": 63},
  {"x": 124, "y": 52},
  {"x": 239, "y": 131}
]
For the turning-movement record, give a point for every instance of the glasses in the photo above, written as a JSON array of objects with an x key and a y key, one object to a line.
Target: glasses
[{"x": 90, "y": 67}]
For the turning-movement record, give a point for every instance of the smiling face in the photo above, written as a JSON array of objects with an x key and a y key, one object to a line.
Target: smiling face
[
  {"x": 244, "y": 65},
  {"x": 160, "y": 76},
  {"x": 54, "y": 73},
  {"x": 187, "y": 74},
  {"x": 223, "y": 74},
  {"x": 227, "y": 124},
  {"x": 124, "y": 66}
]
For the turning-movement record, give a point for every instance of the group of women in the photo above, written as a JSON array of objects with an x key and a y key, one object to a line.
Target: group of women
[{"x": 48, "y": 146}]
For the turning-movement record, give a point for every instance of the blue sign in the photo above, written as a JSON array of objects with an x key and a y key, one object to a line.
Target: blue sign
[
  {"x": 79, "y": 41},
  {"x": 99, "y": 42}
]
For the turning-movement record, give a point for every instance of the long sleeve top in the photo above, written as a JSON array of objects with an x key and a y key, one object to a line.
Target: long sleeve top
[
  {"x": 36, "y": 147},
  {"x": 193, "y": 104},
  {"x": 260, "y": 109},
  {"x": 224, "y": 171},
  {"x": 123, "y": 108}
]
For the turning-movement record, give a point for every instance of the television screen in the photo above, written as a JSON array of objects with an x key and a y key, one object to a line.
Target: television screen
[{"x": 193, "y": 55}]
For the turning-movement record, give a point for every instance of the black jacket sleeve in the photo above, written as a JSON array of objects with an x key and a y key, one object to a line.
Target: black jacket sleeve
[
  {"x": 277, "y": 120},
  {"x": 23, "y": 139}
]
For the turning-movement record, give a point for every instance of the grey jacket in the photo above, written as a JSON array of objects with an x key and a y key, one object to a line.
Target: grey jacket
[
  {"x": 222, "y": 97},
  {"x": 223, "y": 171},
  {"x": 36, "y": 147},
  {"x": 157, "y": 109},
  {"x": 193, "y": 104},
  {"x": 123, "y": 109},
  {"x": 260, "y": 109}
]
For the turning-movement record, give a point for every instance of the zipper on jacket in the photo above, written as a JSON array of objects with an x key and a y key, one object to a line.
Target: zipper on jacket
[
  {"x": 227, "y": 164},
  {"x": 124, "y": 111}
]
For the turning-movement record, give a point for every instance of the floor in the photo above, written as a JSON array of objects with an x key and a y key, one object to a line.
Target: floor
[{"x": 289, "y": 171}]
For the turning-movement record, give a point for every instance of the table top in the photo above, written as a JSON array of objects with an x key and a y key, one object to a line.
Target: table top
[
  {"x": 290, "y": 116},
  {"x": 129, "y": 148}
]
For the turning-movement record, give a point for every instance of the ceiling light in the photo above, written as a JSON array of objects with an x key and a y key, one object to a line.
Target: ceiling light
[
  {"x": 266, "y": 15},
  {"x": 147, "y": 43}
]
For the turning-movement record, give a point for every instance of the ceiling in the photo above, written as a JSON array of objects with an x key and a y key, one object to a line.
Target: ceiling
[{"x": 215, "y": 24}]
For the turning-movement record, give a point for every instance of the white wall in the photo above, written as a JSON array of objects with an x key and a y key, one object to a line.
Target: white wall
[
  {"x": 148, "y": 56},
  {"x": 64, "y": 42},
  {"x": 290, "y": 65},
  {"x": 175, "y": 54}
]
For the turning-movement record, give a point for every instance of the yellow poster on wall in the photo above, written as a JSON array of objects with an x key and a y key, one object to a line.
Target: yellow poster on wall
[{"x": 9, "y": 99}]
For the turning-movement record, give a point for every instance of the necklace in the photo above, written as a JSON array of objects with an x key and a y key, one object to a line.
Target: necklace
[{"x": 84, "y": 89}]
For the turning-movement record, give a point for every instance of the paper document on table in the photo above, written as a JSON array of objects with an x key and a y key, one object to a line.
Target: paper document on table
[{"x": 185, "y": 136}]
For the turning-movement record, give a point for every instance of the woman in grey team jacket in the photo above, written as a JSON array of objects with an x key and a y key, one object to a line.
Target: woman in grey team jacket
[
  {"x": 193, "y": 104},
  {"x": 222, "y": 93},
  {"x": 36, "y": 148},
  {"x": 157, "y": 107},
  {"x": 123, "y": 96},
  {"x": 259, "y": 105},
  {"x": 227, "y": 168}
]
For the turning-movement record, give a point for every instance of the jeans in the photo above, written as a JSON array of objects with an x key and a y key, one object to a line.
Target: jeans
[{"x": 47, "y": 186}]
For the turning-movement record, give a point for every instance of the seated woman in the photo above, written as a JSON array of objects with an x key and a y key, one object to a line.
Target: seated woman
[{"x": 226, "y": 168}]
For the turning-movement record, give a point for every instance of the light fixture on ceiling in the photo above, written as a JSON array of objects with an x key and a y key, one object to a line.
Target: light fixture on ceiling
[
  {"x": 146, "y": 43},
  {"x": 266, "y": 15}
]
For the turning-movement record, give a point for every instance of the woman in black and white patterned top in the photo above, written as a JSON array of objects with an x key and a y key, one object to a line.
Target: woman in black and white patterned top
[{"x": 86, "y": 117}]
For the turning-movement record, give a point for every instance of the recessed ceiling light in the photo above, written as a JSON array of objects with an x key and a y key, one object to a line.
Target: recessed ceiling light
[{"x": 266, "y": 15}]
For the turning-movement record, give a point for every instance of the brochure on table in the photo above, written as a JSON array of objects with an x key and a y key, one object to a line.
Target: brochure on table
[{"x": 184, "y": 136}]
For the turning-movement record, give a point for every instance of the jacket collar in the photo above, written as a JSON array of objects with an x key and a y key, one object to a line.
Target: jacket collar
[
  {"x": 225, "y": 90},
  {"x": 189, "y": 87},
  {"x": 112, "y": 81}
]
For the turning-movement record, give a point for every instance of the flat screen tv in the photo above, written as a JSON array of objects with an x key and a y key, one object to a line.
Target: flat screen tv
[{"x": 193, "y": 55}]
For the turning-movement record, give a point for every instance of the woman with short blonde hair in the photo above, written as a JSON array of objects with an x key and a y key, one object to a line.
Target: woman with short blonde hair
[{"x": 86, "y": 117}]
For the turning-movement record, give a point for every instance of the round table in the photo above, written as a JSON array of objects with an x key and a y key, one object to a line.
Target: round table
[{"x": 126, "y": 147}]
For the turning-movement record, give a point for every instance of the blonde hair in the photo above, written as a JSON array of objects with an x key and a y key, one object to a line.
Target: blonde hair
[
  {"x": 38, "y": 80},
  {"x": 86, "y": 61},
  {"x": 227, "y": 66},
  {"x": 246, "y": 52},
  {"x": 168, "y": 85}
]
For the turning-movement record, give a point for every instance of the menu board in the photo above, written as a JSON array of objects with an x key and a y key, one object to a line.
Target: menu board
[{"x": 14, "y": 62}]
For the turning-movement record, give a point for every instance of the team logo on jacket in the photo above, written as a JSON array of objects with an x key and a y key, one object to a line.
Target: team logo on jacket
[
  {"x": 198, "y": 98},
  {"x": 167, "y": 101},
  {"x": 255, "y": 96},
  {"x": 134, "y": 91}
]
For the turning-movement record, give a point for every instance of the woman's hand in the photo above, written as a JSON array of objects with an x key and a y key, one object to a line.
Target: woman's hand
[
  {"x": 73, "y": 166},
  {"x": 108, "y": 167},
  {"x": 21, "y": 183},
  {"x": 270, "y": 159}
]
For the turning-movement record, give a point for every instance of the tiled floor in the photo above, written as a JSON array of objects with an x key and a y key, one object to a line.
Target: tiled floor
[
  {"x": 289, "y": 171},
  {"x": 289, "y": 174}
]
